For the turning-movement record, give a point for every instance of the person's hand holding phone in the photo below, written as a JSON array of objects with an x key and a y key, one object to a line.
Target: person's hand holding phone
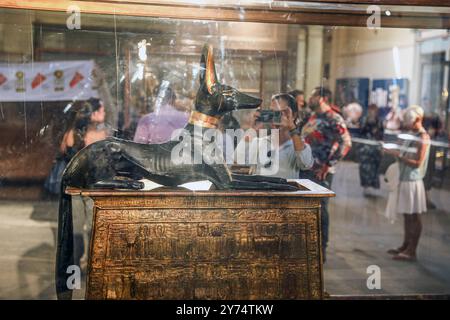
[{"x": 287, "y": 119}]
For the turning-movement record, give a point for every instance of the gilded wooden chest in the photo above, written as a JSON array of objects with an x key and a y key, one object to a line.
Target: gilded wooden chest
[{"x": 180, "y": 244}]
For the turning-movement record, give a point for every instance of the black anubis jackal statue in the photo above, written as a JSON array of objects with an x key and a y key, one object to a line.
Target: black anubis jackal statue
[{"x": 100, "y": 164}]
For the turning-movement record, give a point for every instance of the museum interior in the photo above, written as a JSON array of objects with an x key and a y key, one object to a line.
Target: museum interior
[{"x": 53, "y": 58}]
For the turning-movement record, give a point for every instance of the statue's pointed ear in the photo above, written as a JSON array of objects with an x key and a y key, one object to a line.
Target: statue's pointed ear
[{"x": 207, "y": 68}]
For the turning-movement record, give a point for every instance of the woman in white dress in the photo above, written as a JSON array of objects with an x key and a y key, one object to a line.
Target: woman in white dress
[{"x": 413, "y": 161}]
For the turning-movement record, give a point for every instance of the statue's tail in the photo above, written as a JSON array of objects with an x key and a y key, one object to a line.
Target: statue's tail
[{"x": 65, "y": 247}]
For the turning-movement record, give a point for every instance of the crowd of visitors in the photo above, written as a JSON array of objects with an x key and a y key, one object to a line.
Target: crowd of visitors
[{"x": 313, "y": 135}]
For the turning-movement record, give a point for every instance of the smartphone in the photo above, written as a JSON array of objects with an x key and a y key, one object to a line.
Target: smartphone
[{"x": 269, "y": 116}]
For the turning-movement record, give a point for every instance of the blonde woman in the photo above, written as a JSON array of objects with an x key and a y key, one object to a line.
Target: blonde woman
[{"x": 413, "y": 161}]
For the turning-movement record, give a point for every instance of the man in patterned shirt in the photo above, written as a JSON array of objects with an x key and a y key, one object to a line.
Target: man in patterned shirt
[{"x": 330, "y": 141}]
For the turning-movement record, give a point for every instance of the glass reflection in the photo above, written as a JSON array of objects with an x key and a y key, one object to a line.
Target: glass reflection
[{"x": 136, "y": 79}]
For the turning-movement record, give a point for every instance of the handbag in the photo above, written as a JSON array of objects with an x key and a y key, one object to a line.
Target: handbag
[{"x": 53, "y": 182}]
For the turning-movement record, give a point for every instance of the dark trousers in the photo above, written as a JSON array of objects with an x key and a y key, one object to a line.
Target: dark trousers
[{"x": 324, "y": 214}]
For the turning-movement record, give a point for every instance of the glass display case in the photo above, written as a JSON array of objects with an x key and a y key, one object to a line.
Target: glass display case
[{"x": 54, "y": 56}]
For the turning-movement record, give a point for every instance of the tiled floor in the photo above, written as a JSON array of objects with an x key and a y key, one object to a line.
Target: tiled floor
[
  {"x": 27, "y": 243},
  {"x": 359, "y": 237}
]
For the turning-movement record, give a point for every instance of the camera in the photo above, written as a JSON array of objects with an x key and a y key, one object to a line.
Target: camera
[{"x": 269, "y": 116}]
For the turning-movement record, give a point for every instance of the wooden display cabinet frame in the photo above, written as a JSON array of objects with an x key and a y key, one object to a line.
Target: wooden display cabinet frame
[{"x": 404, "y": 14}]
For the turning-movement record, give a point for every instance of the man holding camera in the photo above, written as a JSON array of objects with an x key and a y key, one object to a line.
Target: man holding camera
[
  {"x": 330, "y": 141},
  {"x": 291, "y": 153}
]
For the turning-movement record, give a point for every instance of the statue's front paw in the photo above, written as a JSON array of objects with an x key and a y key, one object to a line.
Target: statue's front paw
[{"x": 119, "y": 184}]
